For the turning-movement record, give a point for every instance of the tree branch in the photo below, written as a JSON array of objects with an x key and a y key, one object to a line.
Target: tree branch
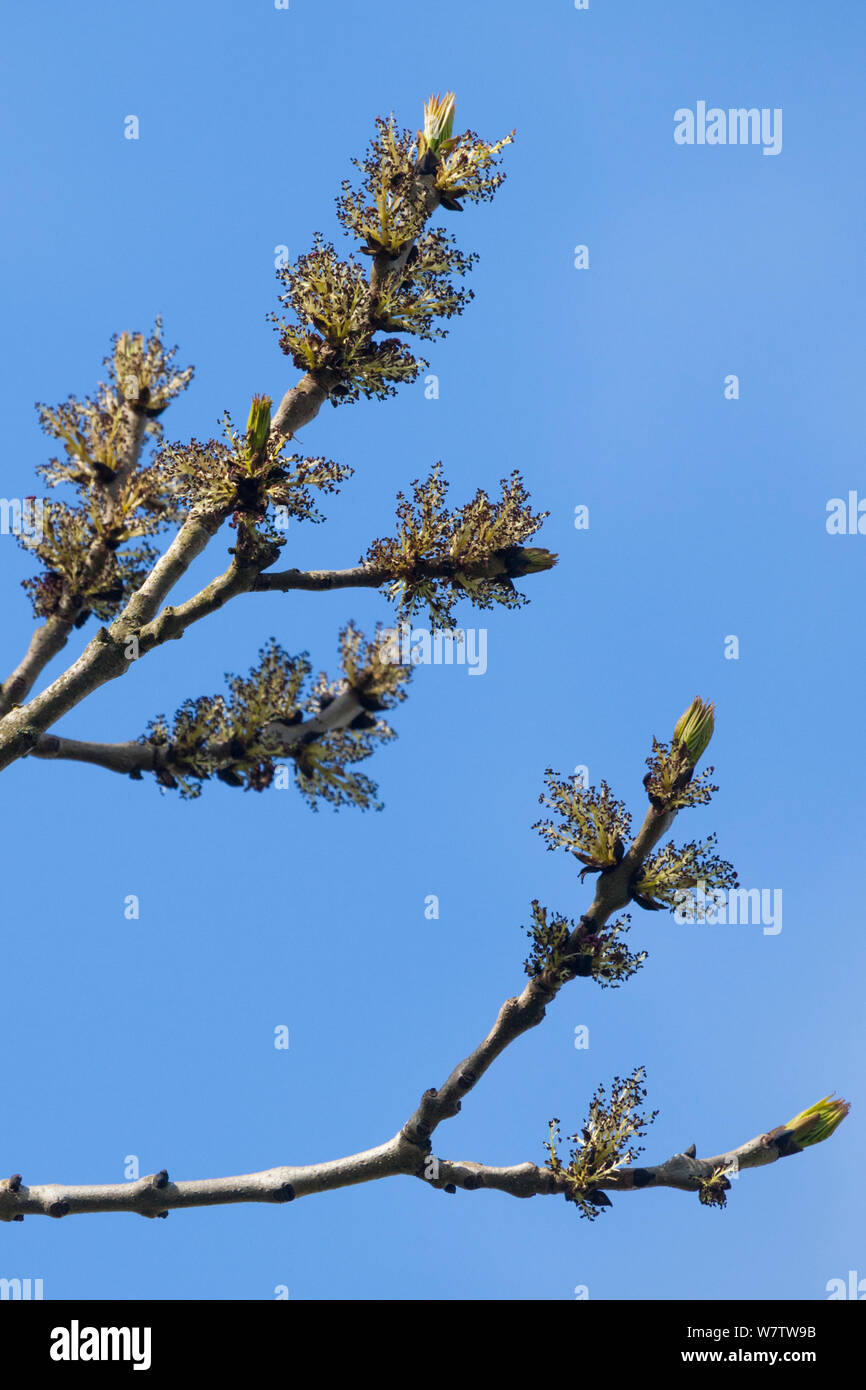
[
  {"x": 193, "y": 537},
  {"x": 133, "y": 757},
  {"x": 45, "y": 642},
  {"x": 409, "y": 1152},
  {"x": 156, "y": 1195},
  {"x": 320, "y": 581},
  {"x": 241, "y": 576},
  {"x": 516, "y": 1016},
  {"x": 373, "y": 576},
  {"x": 104, "y": 658},
  {"x": 52, "y": 636},
  {"x": 302, "y": 402},
  {"x": 683, "y": 1172},
  {"x": 526, "y": 1011},
  {"x": 129, "y": 758}
]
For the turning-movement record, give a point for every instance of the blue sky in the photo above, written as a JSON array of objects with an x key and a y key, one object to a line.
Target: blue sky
[{"x": 605, "y": 387}]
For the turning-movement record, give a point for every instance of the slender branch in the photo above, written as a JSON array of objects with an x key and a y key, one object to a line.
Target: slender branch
[
  {"x": 373, "y": 576},
  {"x": 320, "y": 581},
  {"x": 125, "y": 758},
  {"x": 687, "y": 1173},
  {"x": 683, "y": 1172},
  {"x": 516, "y": 1016},
  {"x": 134, "y": 431},
  {"x": 134, "y": 757},
  {"x": 45, "y": 643},
  {"x": 155, "y": 1195},
  {"x": 172, "y": 622},
  {"x": 526, "y": 1011},
  {"x": 192, "y": 538}
]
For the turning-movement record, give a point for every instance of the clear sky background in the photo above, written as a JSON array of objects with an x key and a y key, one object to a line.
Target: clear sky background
[{"x": 605, "y": 387}]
